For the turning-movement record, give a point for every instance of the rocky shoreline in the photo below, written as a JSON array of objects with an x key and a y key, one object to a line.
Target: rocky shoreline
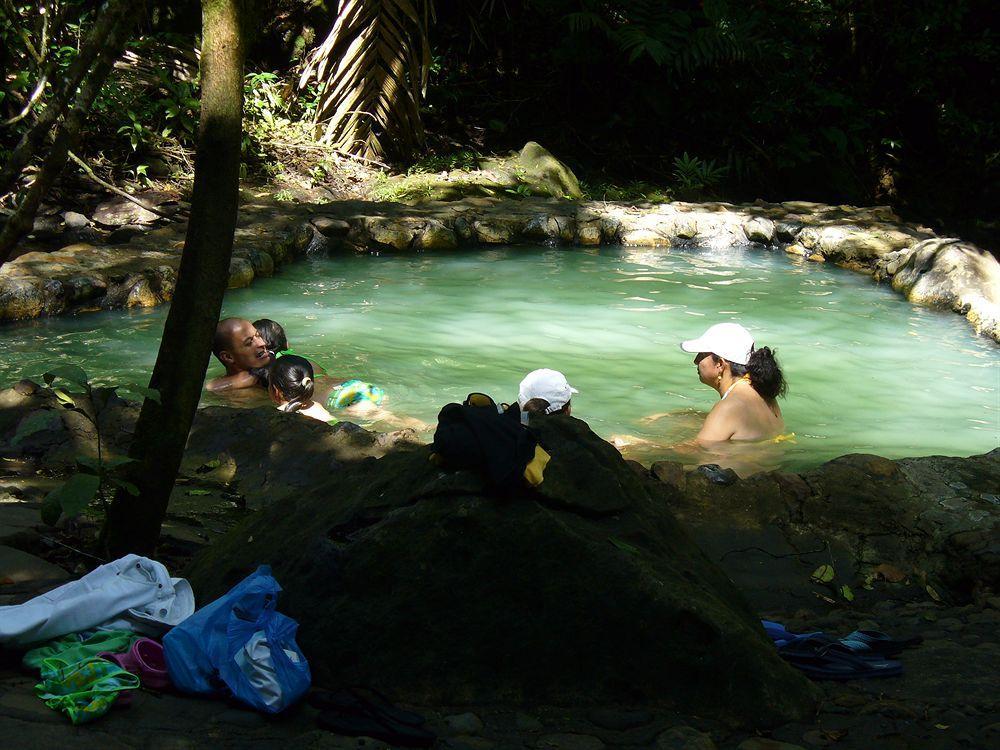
[{"x": 141, "y": 270}]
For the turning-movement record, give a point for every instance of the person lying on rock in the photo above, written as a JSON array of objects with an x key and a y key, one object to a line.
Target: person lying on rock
[
  {"x": 291, "y": 383},
  {"x": 747, "y": 379},
  {"x": 242, "y": 351}
]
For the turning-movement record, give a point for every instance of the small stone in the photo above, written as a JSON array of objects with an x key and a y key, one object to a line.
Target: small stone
[
  {"x": 850, "y": 700},
  {"x": 684, "y": 738},
  {"x": 795, "y": 249},
  {"x": 669, "y": 472},
  {"x": 436, "y": 236},
  {"x": 588, "y": 234},
  {"x": 240, "y": 273},
  {"x": 467, "y": 723},
  {"x": 718, "y": 475},
  {"x": 331, "y": 227},
  {"x": 892, "y": 709},
  {"x": 569, "y": 742},
  {"x": 993, "y": 601},
  {"x": 74, "y": 220},
  {"x": 816, "y": 258},
  {"x": 526, "y": 722},
  {"x": 759, "y": 229},
  {"x": 950, "y": 624},
  {"x": 619, "y": 720}
]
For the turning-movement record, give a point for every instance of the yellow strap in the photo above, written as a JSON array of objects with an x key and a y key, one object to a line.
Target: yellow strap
[{"x": 536, "y": 468}]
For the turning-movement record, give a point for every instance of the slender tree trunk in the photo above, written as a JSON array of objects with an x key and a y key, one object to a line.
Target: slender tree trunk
[
  {"x": 116, "y": 14},
  {"x": 133, "y": 523}
]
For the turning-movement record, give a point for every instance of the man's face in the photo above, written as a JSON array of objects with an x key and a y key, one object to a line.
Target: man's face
[{"x": 246, "y": 348}]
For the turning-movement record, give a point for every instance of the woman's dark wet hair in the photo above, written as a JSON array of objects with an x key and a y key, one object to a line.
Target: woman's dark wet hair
[
  {"x": 765, "y": 374},
  {"x": 293, "y": 376},
  {"x": 273, "y": 335}
]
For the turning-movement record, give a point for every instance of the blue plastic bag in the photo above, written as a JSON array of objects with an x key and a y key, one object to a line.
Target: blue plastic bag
[{"x": 240, "y": 646}]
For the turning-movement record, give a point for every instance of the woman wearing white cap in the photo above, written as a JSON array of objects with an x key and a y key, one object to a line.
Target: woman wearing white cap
[{"x": 748, "y": 380}]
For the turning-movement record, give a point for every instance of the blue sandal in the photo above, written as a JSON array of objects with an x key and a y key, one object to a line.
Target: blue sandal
[
  {"x": 876, "y": 642},
  {"x": 824, "y": 659}
]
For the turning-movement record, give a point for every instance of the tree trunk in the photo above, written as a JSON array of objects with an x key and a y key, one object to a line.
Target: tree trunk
[
  {"x": 66, "y": 139},
  {"x": 133, "y": 523},
  {"x": 101, "y": 38}
]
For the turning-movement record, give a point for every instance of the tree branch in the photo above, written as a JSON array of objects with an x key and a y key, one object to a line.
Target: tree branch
[{"x": 117, "y": 191}]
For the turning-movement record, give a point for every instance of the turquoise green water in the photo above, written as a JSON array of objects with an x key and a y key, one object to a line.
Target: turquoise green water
[{"x": 867, "y": 371}]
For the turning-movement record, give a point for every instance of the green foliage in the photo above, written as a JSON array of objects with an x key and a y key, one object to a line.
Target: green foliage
[
  {"x": 463, "y": 159},
  {"x": 634, "y": 191},
  {"x": 96, "y": 476},
  {"x": 695, "y": 177}
]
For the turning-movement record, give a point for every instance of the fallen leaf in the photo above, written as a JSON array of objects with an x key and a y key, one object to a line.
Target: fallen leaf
[
  {"x": 942, "y": 726},
  {"x": 199, "y": 492},
  {"x": 823, "y": 574},
  {"x": 890, "y": 573},
  {"x": 826, "y": 599},
  {"x": 932, "y": 593},
  {"x": 846, "y": 593}
]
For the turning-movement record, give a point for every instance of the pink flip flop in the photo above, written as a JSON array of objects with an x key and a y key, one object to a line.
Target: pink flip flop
[{"x": 144, "y": 659}]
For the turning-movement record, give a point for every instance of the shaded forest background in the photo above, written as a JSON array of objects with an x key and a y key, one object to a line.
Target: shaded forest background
[{"x": 839, "y": 101}]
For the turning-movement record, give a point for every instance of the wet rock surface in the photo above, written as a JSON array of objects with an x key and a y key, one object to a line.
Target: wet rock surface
[{"x": 928, "y": 270}]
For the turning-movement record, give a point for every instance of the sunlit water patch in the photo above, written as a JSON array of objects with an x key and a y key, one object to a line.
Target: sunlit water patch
[{"x": 867, "y": 371}]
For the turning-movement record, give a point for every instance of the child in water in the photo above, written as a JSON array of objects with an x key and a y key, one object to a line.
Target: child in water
[
  {"x": 290, "y": 385},
  {"x": 274, "y": 336},
  {"x": 358, "y": 399}
]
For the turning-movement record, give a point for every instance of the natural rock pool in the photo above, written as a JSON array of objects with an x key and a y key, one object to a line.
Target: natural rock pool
[{"x": 867, "y": 371}]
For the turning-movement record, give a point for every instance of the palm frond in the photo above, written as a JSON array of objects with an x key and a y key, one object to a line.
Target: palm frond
[{"x": 372, "y": 71}]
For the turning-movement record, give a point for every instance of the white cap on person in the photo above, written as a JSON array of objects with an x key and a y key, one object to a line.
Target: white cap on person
[
  {"x": 550, "y": 385},
  {"x": 731, "y": 341}
]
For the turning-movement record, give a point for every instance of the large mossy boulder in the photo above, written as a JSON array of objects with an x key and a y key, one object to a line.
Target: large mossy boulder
[
  {"x": 422, "y": 583},
  {"x": 530, "y": 171}
]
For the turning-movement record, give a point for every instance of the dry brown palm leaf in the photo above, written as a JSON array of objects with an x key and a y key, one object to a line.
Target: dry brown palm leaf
[{"x": 372, "y": 69}]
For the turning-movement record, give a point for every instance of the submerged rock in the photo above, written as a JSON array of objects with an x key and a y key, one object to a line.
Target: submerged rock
[{"x": 422, "y": 583}]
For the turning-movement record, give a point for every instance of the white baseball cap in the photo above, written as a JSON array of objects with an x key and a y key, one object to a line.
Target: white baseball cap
[
  {"x": 731, "y": 341},
  {"x": 550, "y": 385}
]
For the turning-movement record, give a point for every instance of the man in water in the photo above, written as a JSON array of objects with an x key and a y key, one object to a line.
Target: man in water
[{"x": 242, "y": 351}]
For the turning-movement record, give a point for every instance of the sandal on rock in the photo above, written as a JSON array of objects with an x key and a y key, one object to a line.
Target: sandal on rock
[
  {"x": 144, "y": 659},
  {"x": 876, "y": 642},
  {"x": 823, "y": 659},
  {"x": 782, "y": 637}
]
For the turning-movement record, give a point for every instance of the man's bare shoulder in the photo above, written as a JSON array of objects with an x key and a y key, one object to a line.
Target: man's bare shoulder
[{"x": 231, "y": 382}]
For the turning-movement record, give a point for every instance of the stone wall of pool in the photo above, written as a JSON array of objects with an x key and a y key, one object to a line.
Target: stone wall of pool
[{"x": 927, "y": 269}]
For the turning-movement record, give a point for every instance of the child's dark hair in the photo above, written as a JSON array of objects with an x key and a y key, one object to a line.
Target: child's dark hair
[
  {"x": 765, "y": 374},
  {"x": 540, "y": 406},
  {"x": 292, "y": 375},
  {"x": 273, "y": 335}
]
